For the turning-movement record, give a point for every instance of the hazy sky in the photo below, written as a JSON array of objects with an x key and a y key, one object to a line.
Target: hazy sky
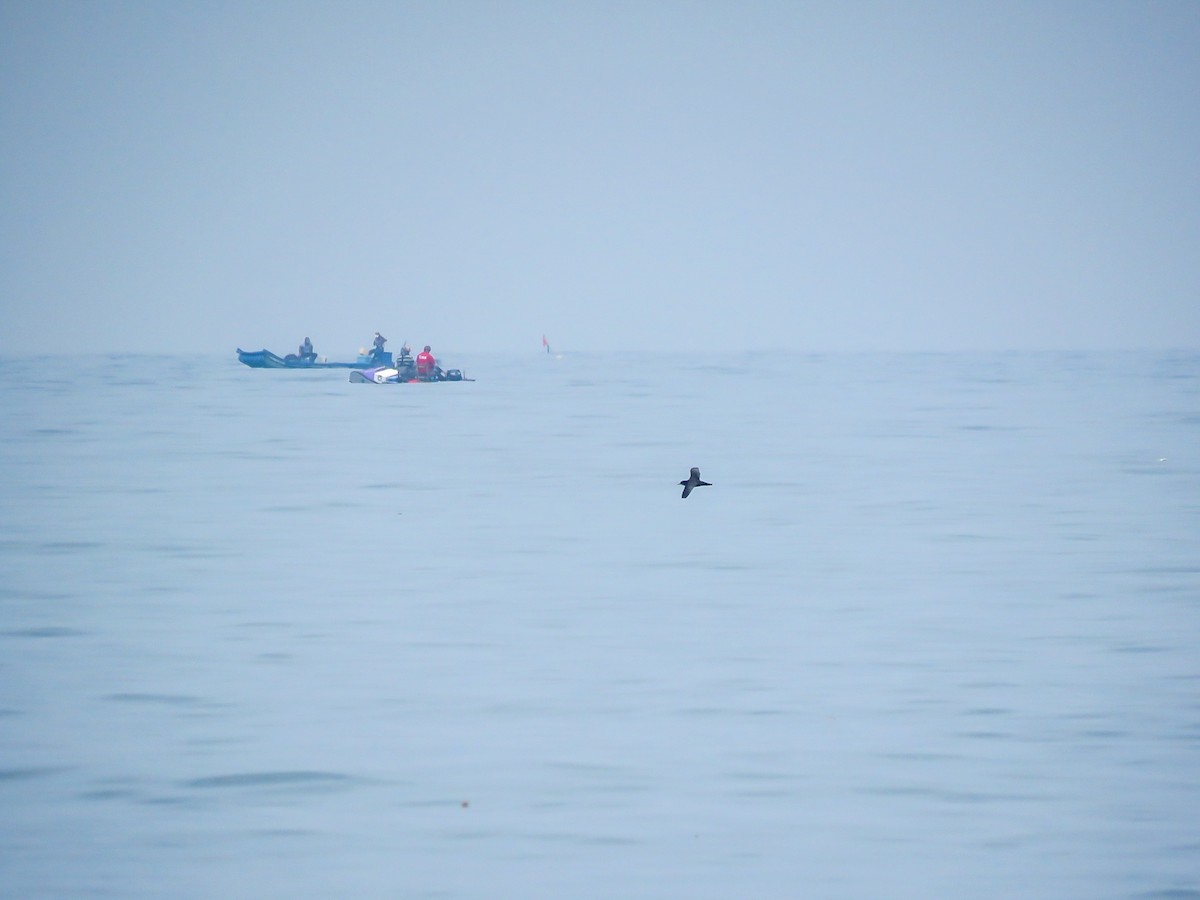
[{"x": 712, "y": 176}]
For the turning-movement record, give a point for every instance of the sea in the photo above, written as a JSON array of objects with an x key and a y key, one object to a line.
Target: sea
[{"x": 933, "y": 631}]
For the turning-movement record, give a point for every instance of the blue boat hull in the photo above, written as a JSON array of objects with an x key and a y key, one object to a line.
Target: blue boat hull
[{"x": 265, "y": 359}]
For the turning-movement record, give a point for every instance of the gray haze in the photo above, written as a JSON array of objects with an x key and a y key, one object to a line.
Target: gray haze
[{"x": 675, "y": 176}]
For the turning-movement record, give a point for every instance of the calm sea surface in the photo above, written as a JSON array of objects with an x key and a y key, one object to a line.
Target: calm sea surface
[{"x": 934, "y": 631}]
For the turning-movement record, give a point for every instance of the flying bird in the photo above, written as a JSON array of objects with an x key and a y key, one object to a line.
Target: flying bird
[{"x": 693, "y": 481}]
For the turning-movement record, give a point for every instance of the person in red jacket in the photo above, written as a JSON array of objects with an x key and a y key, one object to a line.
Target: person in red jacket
[{"x": 426, "y": 364}]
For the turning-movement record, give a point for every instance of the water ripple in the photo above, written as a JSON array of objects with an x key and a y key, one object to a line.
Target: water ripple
[
  {"x": 28, "y": 774},
  {"x": 300, "y": 778},
  {"x": 46, "y": 631},
  {"x": 164, "y": 699}
]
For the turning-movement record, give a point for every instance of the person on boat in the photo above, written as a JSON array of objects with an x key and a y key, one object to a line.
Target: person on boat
[
  {"x": 307, "y": 354},
  {"x": 405, "y": 364},
  {"x": 377, "y": 347},
  {"x": 426, "y": 364}
]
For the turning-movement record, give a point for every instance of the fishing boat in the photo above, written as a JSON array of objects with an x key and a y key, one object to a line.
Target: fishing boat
[{"x": 265, "y": 359}]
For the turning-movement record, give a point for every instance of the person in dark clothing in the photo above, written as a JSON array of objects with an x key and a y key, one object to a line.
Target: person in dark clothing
[{"x": 377, "y": 347}]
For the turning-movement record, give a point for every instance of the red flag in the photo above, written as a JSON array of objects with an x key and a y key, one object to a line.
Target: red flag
[{"x": 545, "y": 343}]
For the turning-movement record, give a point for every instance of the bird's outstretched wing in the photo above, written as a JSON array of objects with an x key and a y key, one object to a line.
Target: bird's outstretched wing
[{"x": 693, "y": 481}]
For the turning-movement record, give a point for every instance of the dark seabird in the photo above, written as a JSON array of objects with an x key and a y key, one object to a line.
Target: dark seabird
[{"x": 693, "y": 481}]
